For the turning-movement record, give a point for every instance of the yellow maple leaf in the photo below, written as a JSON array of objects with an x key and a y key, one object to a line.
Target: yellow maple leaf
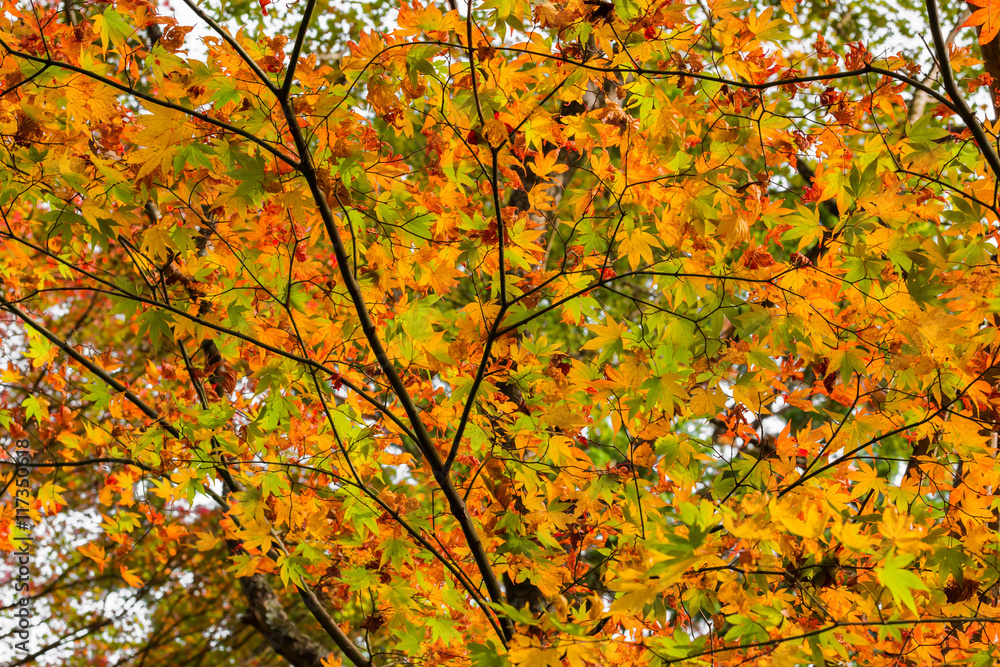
[
  {"x": 866, "y": 480},
  {"x": 635, "y": 596},
  {"x": 50, "y": 496},
  {"x": 495, "y": 131},
  {"x": 157, "y": 241},
  {"x": 804, "y": 522},
  {"x": 246, "y": 565},
  {"x": 763, "y": 26},
  {"x": 606, "y": 334},
  {"x": 705, "y": 402},
  {"x": 561, "y": 449},
  {"x": 638, "y": 245},
  {"x": 852, "y": 537},
  {"x": 70, "y": 440},
  {"x": 905, "y": 534},
  {"x": 545, "y": 164},
  {"x": 164, "y": 130},
  {"x": 256, "y": 535},
  {"x": 644, "y": 456},
  {"x": 206, "y": 541}
]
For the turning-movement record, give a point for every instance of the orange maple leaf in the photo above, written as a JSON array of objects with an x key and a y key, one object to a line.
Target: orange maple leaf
[
  {"x": 988, "y": 16},
  {"x": 130, "y": 579},
  {"x": 94, "y": 552}
]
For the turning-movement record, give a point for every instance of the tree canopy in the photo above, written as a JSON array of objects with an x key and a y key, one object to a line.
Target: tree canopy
[{"x": 503, "y": 332}]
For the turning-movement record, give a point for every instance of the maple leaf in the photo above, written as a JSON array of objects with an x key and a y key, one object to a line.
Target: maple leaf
[
  {"x": 291, "y": 568},
  {"x": 164, "y": 130},
  {"x": 609, "y": 334},
  {"x": 250, "y": 504},
  {"x": 496, "y": 131},
  {"x": 112, "y": 27},
  {"x": 158, "y": 243},
  {"x": 987, "y": 16},
  {"x": 866, "y": 480},
  {"x": 50, "y": 497},
  {"x": 94, "y": 552},
  {"x": 130, "y": 578},
  {"x": 206, "y": 541},
  {"x": 35, "y": 408},
  {"x": 638, "y": 246},
  {"x": 245, "y": 565},
  {"x": 256, "y": 535},
  {"x": 899, "y": 581}
]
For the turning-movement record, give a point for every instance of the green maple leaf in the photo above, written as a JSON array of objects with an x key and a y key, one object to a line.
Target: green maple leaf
[
  {"x": 900, "y": 581},
  {"x": 273, "y": 483}
]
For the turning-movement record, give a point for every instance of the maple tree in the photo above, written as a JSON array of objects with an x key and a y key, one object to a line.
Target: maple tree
[{"x": 531, "y": 333}]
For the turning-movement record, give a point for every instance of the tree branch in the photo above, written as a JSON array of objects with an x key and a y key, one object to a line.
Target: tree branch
[
  {"x": 118, "y": 291},
  {"x": 920, "y": 98},
  {"x": 222, "y": 125},
  {"x": 300, "y": 39},
  {"x": 231, "y": 41},
  {"x": 264, "y": 607},
  {"x": 948, "y": 79},
  {"x": 423, "y": 439}
]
